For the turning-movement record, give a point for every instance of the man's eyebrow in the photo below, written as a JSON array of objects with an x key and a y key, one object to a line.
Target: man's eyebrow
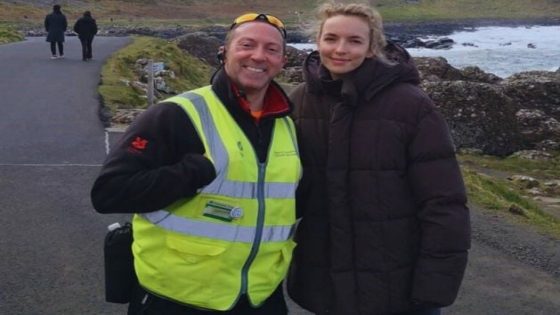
[
  {"x": 250, "y": 39},
  {"x": 246, "y": 38}
]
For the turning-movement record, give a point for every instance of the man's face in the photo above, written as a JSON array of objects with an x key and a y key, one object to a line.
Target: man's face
[{"x": 254, "y": 56}]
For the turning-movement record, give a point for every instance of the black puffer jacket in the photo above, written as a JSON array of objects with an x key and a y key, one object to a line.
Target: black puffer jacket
[{"x": 385, "y": 225}]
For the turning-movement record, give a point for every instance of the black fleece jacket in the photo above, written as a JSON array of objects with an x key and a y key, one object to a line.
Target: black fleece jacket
[{"x": 159, "y": 159}]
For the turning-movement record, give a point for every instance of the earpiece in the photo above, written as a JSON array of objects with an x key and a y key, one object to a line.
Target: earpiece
[
  {"x": 221, "y": 54},
  {"x": 220, "y": 57}
]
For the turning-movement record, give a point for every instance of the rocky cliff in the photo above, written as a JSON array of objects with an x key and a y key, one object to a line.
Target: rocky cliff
[{"x": 497, "y": 116}]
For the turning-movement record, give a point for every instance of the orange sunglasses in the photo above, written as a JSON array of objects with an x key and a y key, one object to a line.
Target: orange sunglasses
[{"x": 270, "y": 19}]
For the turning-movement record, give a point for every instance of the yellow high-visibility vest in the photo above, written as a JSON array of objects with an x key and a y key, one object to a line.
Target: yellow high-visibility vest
[{"x": 235, "y": 236}]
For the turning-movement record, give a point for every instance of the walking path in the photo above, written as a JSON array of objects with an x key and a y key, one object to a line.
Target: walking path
[{"x": 51, "y": 146}]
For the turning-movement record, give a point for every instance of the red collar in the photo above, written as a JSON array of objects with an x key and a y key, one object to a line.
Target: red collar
[{"x": 274, "y": 101}]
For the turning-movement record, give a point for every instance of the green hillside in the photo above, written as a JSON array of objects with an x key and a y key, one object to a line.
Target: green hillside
[{"x": 294, "y": 12}]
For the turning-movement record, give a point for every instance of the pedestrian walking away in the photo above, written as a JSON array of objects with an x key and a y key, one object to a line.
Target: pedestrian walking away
[
  {"x": 210, "y": 176},
  {"x": 86, "y": 28},
  {"x": 385, "y": 228},
  {"x": 55, "y": 25}
]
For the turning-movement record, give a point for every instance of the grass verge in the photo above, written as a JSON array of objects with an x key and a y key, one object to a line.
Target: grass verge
[
  {"x": 549, "y": 169},
  {"x": 122, "y": 67},
  {"x": 500, "y": 195},
  {"x": 9, "y": 35}
]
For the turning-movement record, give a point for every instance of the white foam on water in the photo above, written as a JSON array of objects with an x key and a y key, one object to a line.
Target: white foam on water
[{"x": 502, "y": 51}]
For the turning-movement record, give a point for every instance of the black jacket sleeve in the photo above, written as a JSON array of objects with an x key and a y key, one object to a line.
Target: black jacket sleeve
[
  {"x": 158, "y": 160},
  {"x": 439, "y": 190},
  {"x": 47, "y": 23},
  {"x": 76, "y": 28}
]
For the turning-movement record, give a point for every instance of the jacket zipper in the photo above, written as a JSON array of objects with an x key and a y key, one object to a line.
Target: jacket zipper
[{"x": 258, "y": 233}]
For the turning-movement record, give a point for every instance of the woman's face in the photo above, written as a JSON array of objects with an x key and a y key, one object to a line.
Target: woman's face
[{"x": 343, "y": 44}]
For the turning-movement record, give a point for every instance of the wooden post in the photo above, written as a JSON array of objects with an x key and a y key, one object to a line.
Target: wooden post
[{"x": 150, "y": 82}]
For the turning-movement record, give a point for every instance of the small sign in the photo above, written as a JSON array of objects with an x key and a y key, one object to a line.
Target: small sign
[{"x": 156, "y": 67}]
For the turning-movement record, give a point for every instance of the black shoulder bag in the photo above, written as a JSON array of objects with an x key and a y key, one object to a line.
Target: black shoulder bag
[{"x": 119, "y": 267}]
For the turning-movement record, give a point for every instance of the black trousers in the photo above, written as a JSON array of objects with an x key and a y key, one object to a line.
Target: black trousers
[
  {"x": 60, "y": 48},
  {"x": 86, "y": 47},
  {"x": 144, "y": 303}
]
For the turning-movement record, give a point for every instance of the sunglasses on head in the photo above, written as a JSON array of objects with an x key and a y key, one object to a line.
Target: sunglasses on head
[{"x": 270, "y": 19}]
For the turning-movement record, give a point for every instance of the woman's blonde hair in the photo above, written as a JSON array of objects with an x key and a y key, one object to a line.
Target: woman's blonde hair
[{"x": 360, "y": 10}]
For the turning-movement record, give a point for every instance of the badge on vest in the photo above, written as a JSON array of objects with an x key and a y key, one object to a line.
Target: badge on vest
[{"x": 222, "y": 211}]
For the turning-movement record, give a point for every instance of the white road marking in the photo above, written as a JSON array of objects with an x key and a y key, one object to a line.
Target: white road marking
[{"x": 107, "y": 143}]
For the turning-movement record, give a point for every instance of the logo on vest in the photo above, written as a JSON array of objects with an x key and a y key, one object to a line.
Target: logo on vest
[
  {"x": 284, "y": 153},
  {"x": 240, "y": 147}
]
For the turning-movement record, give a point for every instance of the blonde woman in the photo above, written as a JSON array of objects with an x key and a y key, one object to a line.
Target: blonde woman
[{"x": 385, "y": 226}]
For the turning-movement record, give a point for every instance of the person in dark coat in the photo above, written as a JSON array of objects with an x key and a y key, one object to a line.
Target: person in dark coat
[
  {"x": 55, "y": 25},
  {"x": 385, "y": 228},
  {"x": 86, "y": 28}
]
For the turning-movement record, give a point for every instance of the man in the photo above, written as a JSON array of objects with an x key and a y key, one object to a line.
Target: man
[
  {"x": 86, "y": 28},
  {"x": 211, "y": 176},
  {"x": 55, "y": 25}
]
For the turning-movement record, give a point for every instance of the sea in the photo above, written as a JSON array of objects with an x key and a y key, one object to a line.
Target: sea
[{"x": 502, "y": 51}]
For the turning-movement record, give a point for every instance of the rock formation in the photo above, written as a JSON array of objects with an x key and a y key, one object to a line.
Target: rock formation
[{"x": 497, "y": 116}]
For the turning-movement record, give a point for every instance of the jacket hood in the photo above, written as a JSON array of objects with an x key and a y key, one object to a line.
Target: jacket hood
[{"x": 368, "y": 79}]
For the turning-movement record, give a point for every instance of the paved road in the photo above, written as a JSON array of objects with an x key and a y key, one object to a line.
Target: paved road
[{"x": 51, "y": 148}]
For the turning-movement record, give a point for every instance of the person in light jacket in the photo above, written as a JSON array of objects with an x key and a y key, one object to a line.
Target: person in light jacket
[
  {"x": 385, "y": 228},
  {"x": 86, "y": 28},
  {"x": 55, "y": 25}
]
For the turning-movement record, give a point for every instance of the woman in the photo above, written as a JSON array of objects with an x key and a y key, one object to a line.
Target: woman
[
  {"x": 86, "y": 28},
  {"x": 385, "y": 226},
  {"x": 55, "y": 25}
]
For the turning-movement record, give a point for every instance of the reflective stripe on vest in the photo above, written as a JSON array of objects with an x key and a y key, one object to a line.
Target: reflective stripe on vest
[
  {"x": 222, "y": 186},
  {"x": 232, "y": 233}
]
